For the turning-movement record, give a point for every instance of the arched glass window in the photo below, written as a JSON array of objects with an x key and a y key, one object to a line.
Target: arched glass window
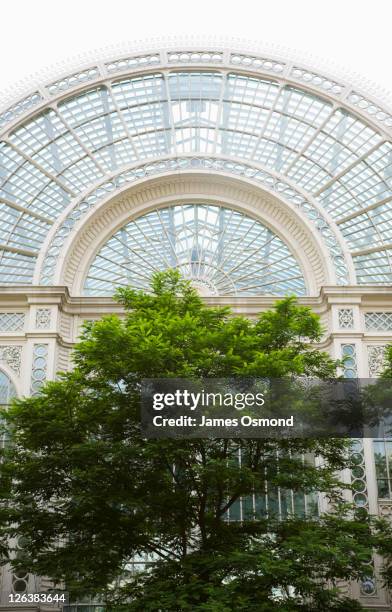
[
  {"x": 7, "y": 389},
  {"x": 7, "y": 393},
  {"x": 222, "y": 251}
]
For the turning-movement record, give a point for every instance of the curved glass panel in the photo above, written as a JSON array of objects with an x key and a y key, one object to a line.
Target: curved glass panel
[
  {"x": 335, "y": 156},
  {"x": 222, "y": 251},
  {"x": 7, "y": 389}
]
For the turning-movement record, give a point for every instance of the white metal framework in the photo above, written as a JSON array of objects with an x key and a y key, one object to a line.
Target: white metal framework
[
  {"x": 221, "y": 251},
  {"x": 308, "y": 132}
]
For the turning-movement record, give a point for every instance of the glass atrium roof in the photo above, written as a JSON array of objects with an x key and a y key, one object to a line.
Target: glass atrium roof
[
  {"x": 222, "y": 252},
  {"x": 328, "y": 144}
]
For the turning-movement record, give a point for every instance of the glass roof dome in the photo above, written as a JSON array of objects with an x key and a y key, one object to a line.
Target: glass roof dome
[{"x": 66, "y": 145}]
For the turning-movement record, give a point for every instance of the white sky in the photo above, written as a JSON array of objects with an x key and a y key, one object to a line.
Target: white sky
[{"x": 354, "y": 35}]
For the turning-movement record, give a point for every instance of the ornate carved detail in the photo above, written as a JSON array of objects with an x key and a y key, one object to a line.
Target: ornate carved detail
[
  {"x": 346, "y": 318},
  {"x": 11, "y": 355},
  {"x": 385, "y": 509},
  {"x": 42, "y": 318},
  {"x": 376, "y": 359},
  {"x": 195, "y": 57}
]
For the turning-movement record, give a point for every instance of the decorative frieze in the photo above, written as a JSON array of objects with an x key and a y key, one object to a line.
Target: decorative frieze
[
  {"x": 11, "y": 356},
  {"x": 260, "y": 63},
  {"x": 196, "y": 57},
  {"x": 346, "y": 318},
  {"x": 376, "y": 359},
  {"x": 73, "y": 80},
  {"x": 129, "y": 63}
]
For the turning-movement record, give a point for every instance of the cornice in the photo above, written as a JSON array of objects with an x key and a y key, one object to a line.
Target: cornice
[{"x": 29, "y": 294}]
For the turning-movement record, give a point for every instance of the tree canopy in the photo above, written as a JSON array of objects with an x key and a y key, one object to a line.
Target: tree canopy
[{"x": 217, "y": 525}]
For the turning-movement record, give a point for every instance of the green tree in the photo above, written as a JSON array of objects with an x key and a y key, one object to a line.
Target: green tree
[
  {"x": 387, "y": 372},
  {"x": 88, "y": 492}
]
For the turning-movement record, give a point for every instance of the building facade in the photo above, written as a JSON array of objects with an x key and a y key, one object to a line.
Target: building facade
[{"x": 254, "y": 175}]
